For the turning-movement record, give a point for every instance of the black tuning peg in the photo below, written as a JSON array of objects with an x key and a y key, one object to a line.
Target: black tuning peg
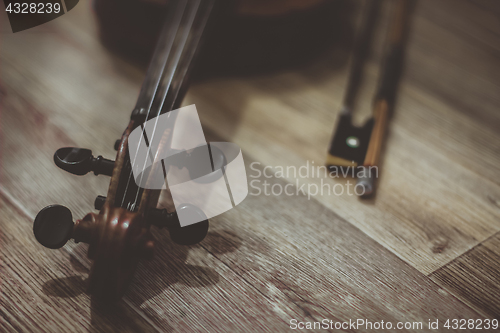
[
  {"x": 80, "y": 161},
  {"x": 53, "y": 226},
  {"x": 99, "y": 202},
  {"x": 188, "y": 235}
]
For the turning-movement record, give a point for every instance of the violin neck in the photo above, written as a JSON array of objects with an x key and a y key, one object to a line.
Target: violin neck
[
  {"x": 162, "y": 91},
  {"x": 167, "y": 76}
]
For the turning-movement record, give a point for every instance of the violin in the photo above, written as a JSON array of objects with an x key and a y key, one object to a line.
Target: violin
[{"x": 120, "y": 235}]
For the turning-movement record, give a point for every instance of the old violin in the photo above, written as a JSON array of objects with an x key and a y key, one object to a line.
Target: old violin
[{"x": 120, "y": 234}]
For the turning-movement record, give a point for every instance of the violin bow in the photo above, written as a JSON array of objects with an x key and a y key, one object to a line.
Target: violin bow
[{"x": 360, "y": 147}]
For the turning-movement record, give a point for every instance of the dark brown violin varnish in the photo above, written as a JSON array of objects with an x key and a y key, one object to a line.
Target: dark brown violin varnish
[{"x": 426, "y": 246}]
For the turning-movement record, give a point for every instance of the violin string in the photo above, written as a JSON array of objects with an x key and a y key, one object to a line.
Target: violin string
[
  {"x": 182, "y": 69},
  {"x": 160, "y": 56},
  {"x": 191, "y": 51},
  {"x": 169, "y": 76}
]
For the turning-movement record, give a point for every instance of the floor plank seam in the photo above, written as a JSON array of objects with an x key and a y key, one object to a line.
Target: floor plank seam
[
  {"x": 489, "y": 238},
  {"x": 436, "y": 271}
]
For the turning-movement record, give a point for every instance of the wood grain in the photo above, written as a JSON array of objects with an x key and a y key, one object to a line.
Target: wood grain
[
  {"x": 254, "y": 272},
  {"x": 51, "y": 284},
  {"x": 473, "y": 277}
]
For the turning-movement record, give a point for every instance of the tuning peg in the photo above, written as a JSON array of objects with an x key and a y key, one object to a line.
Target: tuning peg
[
  {"x": 53, "y": 226},
  {"x": 99, "y": 202},
  {"x": 188, "y": 235},
  {"x": 161, "y": 218},
  {"x": 191, "y": 234},
  {"x": 80, "y": 161}
]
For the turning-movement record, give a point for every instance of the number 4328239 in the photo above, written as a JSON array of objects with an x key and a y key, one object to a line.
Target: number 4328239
[
  {"x": 33, "y": 8},
  {"x": 478, "y": 324}
]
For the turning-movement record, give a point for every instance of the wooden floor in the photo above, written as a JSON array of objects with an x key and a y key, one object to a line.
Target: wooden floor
[{"x": 426, "y": 247}]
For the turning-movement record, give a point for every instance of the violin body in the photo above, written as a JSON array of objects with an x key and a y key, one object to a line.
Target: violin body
[{"x": 247, "y": 37}]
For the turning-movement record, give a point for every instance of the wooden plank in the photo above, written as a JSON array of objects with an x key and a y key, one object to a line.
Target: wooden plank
[
  {"x": 172, "y": 293},
  {"x": 419, "y": 176},
  {"x": 456, "y": 67},
  {"x": 254, "y": 272},
  {"x": 473, "y": 277},
  {"x": 295, "y": 250},
  {"x": 440, "y": 165},
  {"x": 475, "y": 21}
]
